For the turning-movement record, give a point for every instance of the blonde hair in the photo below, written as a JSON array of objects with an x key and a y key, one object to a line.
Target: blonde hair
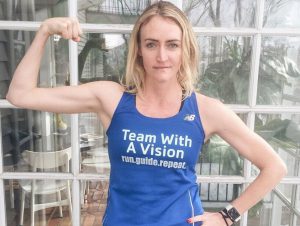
[{"x": 187, "y": 74}]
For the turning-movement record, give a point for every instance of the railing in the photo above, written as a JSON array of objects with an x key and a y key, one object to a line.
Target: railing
[{"x": 120, "y": 7}]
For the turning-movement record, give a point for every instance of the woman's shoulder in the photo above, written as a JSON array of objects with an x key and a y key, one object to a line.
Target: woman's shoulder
[
  {"x": 212, "y": 109},
  {"x": 208, "y": 103},
  {"x": 215, "y": 114}
]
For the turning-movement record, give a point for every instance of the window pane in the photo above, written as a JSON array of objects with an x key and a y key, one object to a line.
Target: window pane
[
  {"x": 291, "y": 193},
  {"x": 275, "y": 13},
  {"x": 229, "y": 13},
  {"x": 102, "y": 57},
  {"x": 279, "y": 73},
  {"x": 216, "y": 196},
  {"x": 93, "y": 145},
  {"x": 48, "y": 194},
  {"x": 37, "y": 10},
  {"x": 111, "y": 11},
  {"x": 272, "y": 211},
  {"x": 225, "y": 68},
  {"x": 13, "y": 45},
  {"x": 219, "y": 158},
  {"x": 31, "y": 137},
  {"x": 282, "y": 132},
  {"x": 93, "y": 208}
]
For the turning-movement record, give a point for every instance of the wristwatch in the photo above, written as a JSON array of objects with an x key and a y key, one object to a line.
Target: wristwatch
[{"x": 232, "y": 213}]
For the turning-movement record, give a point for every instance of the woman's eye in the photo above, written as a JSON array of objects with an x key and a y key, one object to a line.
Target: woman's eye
[
  {"x": 173, "y": 45},
  {"x": 150, "y": 45}
]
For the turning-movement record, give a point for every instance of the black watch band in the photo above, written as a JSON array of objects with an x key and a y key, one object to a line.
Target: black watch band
[{"x": 224, "y": 217}]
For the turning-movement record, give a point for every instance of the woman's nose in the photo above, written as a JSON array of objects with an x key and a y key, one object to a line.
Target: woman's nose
[{"x": 162, "y": 54}]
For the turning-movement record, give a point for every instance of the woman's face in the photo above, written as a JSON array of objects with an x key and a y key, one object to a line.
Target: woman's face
[{"x": 161, "y": 49}]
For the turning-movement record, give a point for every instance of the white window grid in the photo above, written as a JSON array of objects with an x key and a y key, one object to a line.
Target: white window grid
[{"x": 76, "y": 176}]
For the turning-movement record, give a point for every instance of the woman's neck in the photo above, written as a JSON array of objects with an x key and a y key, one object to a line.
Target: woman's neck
[
  {"x": 161, "y": 93},
  {"x": 160, "y": 100}
]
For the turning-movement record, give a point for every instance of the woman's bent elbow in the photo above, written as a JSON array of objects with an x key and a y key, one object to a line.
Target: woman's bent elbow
[
  {"x": 10, "y": 98},
  {"x": 284, "y": 169},
  {"x": 14, "y": 99},
  {"x": 280, "y": 169}
]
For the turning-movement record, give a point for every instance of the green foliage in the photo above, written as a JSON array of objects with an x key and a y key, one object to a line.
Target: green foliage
[{"x": 219, "y": 152}]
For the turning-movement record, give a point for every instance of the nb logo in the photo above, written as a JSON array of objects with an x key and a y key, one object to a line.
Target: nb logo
[{"x": 189, "y": 118}]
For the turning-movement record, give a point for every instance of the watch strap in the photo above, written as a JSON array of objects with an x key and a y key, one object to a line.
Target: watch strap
[{"x": 225, "y": 217}]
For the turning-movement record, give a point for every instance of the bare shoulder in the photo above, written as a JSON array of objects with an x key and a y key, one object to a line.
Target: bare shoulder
[
  {"x": 106, "y": 91},
  {"x": 208, "y": 102},
  {"x": 210, "y": 107}
]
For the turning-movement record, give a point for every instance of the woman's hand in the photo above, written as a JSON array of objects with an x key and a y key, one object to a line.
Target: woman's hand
[
  {"x": 210, "y": 219},
  {"x": 66, "y": 27}
]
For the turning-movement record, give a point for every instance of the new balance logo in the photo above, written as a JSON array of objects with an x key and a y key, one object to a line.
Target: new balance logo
[{"x": 189, "y": 117}]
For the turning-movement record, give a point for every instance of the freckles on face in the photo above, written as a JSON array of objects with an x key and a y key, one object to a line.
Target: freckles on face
[{"x": 161, "y": 47}]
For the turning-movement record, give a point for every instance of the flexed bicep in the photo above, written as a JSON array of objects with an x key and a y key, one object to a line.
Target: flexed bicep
[{"x": 23, "y": 90}]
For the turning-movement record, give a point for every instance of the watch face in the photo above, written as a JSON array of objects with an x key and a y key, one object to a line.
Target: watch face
[{"x": 233, "y": 213}]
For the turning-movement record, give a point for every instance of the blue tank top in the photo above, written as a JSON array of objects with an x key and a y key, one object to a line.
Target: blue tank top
[{"x": 152, "y": 178}]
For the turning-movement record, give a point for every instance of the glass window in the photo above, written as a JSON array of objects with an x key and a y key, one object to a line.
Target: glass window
[
  {"x": 282, "y": 132},
  {"x": 93, "y": 145},
  {"x": 275, "y": 13},
  {"x": 44, "y": 195},
  {"x": 279, "y": 72},
  {"x": 229, "y": 13},
  {"x": 102, "y": 57},
  {"x": 111, "y": 11},
  {"x": 26, "y": 132},
  {"x": 214, "y": 194},
  {"x": 291, "y": 193},
  {"x": 273, "y": 211},
  {"x": 225, "y": 68},
  {"x": 95, "y": 200},
  {"x": 219, "y": 158},
  {"x": 14, "y": 44},
  {"x": 38, "y": 10}
]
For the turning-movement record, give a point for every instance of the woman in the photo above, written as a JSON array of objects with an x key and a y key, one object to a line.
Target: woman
[{"x": 156, "y": 124}]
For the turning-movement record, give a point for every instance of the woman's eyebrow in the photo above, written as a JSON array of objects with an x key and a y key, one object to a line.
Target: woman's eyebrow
[
  {"x": 174, "y": 40},
  {"x": 151, "y": 39},
  {"x": 155, "y": 40}
]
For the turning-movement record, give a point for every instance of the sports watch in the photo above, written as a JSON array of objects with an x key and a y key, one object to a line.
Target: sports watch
[{"x": 232, "y": 213}]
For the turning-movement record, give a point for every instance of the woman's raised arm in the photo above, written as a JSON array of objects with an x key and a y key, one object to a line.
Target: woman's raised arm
[{"x": 24, "y": 92}]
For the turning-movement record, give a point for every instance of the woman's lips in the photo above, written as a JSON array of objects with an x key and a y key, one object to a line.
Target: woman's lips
[{"x": 161, "y": 67}]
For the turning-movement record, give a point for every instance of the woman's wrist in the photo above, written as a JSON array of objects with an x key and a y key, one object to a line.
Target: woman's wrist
[
  {"x": 226, "y": 219},
  {"x": 230, "y": 215},
  {"x": 43, "y": 30}
]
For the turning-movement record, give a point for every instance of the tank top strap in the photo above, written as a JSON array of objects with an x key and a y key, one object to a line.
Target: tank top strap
[
  {"x": 190, "y": 105},
  {"x": 190, "y": 111},
  {"x": 126, "y": 103}
]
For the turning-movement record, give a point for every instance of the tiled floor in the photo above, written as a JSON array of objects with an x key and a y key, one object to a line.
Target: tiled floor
[
  {"x": 92, "y": 210},
  {"x": 94, "y": 207}
]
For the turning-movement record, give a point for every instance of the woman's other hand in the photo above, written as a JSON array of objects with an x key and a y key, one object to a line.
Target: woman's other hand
[{"x": 209, "y": 219}]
